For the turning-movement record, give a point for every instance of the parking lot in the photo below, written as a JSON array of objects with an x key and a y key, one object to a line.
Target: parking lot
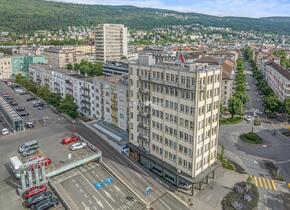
[{"x": 39, "y": 117}]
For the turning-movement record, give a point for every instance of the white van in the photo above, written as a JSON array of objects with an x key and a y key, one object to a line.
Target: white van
[
  {"x": 15, "y": 165},
  {"x": 28, "y": 146}
]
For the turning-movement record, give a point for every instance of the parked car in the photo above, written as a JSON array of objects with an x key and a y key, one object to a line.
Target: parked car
[
  {"x": 23, "y": 114},
  {"x": 248, "y": 118},
  {"x": 40, "y": 104},
  {"x": 28, "y": 152},
  {"x": 34, "y": 191},
  {"x": 37, "y": 198},
  {"x": 5, "y": 131},
  {"x": 78, "y": 145},
  {"x": 36, "y": 102},
  {"x": 39, "y": 160},
  {"x": 45, "y": 204},
  {"x": 31, "y": 98},
  {"x": 70, "y": 139},
  {"x": 41, "y": 107},
  {"x": 29, "y": 124},
  {"x": 33, "y": 144},
  {"x": 14, "y": 103},
  {"x": 20, "y": 109}
]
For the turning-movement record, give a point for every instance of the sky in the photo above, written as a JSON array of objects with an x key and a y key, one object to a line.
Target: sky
[{"x": 242, "y": 8}]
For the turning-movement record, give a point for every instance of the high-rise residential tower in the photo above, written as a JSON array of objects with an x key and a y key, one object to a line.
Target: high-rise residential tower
[{"x": 111, "y": 42}]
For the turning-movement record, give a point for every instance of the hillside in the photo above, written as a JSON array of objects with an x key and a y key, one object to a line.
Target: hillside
[{"x": 31, "y": 15}]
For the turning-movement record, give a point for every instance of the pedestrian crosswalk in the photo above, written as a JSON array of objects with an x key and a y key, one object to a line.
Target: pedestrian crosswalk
[{"x": 263, "y": 182}]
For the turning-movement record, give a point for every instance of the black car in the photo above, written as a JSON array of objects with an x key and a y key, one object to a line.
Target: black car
[
  {"x": 30, "y": 98},
  {"x": 23, "y": 114},
  {"x": 37, "y": 198},
  {"x": 14, "y": 103},
  {"x": 20, "y": 109},
  {"x": 45, "y": 204}
]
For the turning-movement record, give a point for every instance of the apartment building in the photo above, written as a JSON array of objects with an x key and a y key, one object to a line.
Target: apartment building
[
  {"x": 103, "y": 97},
  {"x": 173, "y": 118},
  {"x": 278, "y": 78},
  {"x": 111, "y": 42},
  {"x": 227, "y": 86},
  {"x": 59, "y": 57},
  {"x": 5, "y": 67}
]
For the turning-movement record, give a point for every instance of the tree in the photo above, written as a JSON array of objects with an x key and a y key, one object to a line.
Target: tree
[
  {"x": 273, "y": 104},
  {"x": 234, "y": 106},
  {"x": 69, "y": 66},
  {"x": 286, "y": 106},
  {"x": 68, "y": 106}
]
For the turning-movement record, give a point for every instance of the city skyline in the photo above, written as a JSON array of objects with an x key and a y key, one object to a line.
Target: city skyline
[{"x": 241, "y": 8}]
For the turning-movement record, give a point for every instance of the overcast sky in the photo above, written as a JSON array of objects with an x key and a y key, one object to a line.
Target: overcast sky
[{"x": 245, "y": 8}]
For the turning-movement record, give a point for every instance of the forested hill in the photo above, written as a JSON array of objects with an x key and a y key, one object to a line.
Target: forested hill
[{"x": 31, "y": 15}]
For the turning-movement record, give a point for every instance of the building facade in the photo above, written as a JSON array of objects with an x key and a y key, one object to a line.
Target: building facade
[
  {"x": 111, "y": 42},
  {"x": 227, "y": 86},
  {"x": 278, "y": 79},
  {"x": 173, "y": 118},
  {"x": 5, "y": 68},
  {"x": 103, "y": 97},
  {"x": 60, "y": 57},
  {"x": 20, "y": 63}
]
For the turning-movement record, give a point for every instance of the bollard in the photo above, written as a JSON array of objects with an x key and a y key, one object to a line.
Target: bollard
[
  {"x": 43, "y": 176},
  {"x": 22, "y": 178},
  {"x": 30, "y": 181},
  {"x": 36, "y": 174}
]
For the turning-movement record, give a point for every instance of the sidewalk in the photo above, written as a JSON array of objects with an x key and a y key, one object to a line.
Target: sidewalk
[{"x": 210, "y": 198}]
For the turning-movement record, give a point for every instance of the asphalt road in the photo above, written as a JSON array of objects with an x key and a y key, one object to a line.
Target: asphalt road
[
  {"x": 253, "y": 157},
  {"x": 80, "y": 187},
  {"x": 136, "y": 178}
]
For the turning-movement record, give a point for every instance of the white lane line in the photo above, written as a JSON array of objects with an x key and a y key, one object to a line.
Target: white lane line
[
  {"x": 77, "y": 185},
  {"x": 85, "y": 195},
  {"x": 109, "y": 196},
  {"x": 86, "y": 208},
  {"x": 119, "y": 190},
  {"x": 81, "y": 190},
  {"x": 90, "y": 202},
  {"x": 73, "y": 180},
  {"x": 95, "y": 207},
  {"x": 96, "y": 190},
  {"x": 165, "y": 204},
  {"x": 98, "y": 202}
]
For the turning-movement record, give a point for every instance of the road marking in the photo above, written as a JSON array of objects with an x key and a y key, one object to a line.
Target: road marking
[
  {"x": 255, "y": 180},
  {"x": 109, "y": 196},
  {"x": 73, "y": 180},
  {"x": 98, "y": 202},
  {"x": 269, "y": 184},
  {"x": 95, "y": 189},
  {"x": 95, "y": 207},
  {"x": 165, "y": 204},
  {"x": 85, "y": 195},
  {"x": 260, "y": 182},
  {"x": 274, "y": 185},
  {"x": 119, "y": 190},
  {"x": 86, "y": 208},
  {"x": 77, "y": 185},
  {"x": 265, "y": 183},
  {"x": 81, "y": 190},
  {"x": 90, "y": 202}
]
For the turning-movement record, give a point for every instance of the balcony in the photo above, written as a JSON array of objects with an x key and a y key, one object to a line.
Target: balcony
[
  {"x": 143, "y": 137},
  {"x": 144, "y": 91}
]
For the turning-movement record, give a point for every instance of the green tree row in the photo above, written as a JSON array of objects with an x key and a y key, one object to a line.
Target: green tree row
[
  {"x": 283, "y": 59},
  {"x": 66, "y": 105},
  {"x": 239, "y": 99},
  {"x": 271, "y": 102}
]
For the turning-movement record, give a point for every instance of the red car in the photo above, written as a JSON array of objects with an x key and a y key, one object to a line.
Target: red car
[
  {"x": 40, "y": 160},
  {"x": 34, "y": 191},
  {"x": 70, "y": 139}
]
